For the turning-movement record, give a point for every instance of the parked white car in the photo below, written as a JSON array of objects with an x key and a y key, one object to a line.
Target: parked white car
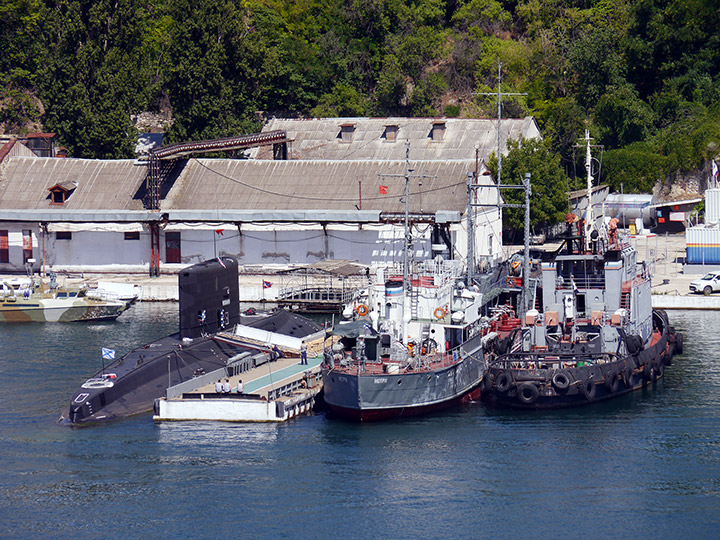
[{"x": 707, "y": 285}]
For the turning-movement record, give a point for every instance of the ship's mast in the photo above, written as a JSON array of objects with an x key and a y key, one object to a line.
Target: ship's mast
[
  {"x": 408, "y": 236},
  {"x": 405, "y": 312},
  {"x": 589, "y": 217}
]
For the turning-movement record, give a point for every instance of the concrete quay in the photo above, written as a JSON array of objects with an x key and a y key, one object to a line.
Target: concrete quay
[
  {"x": 664, "y": 253},
  {"x": 670, "y": 276}
]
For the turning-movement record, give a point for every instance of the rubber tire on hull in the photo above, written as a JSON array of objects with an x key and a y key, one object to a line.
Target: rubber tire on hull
[
  {"x": 659, "y": 370},
  {"x": 528, "y": 393},
  {"x": 503, "y": 382},
  {"x": 678, "y": 343},
  {"x": 588, "y": 389},
  {"x": 612, "y": 383},
  {"x": 634, "y": 343},
  {"x": 628, "y": 378},
  {"x": 561, "y": 380}
]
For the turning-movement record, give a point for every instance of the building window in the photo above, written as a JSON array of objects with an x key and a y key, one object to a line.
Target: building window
[
  {"x": 390, "y": 134},
  {"x": 346, "y": 132},
  {"x": 134, "y": 235},
  {"x": 4, "y": 247},
  {"x": 437, "y": 133},
  {"x": 172, "y": 247},
  {"x": 59, "y": 193},
  {"x": 63, "y": 235},
  {"x": 27, "y": 243}
]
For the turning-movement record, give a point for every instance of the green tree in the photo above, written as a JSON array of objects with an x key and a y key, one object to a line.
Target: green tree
[
  {"x": 623, "y": 117},
  {"x": 344, "y": 100},
  {"x": 548, "y": 204}
]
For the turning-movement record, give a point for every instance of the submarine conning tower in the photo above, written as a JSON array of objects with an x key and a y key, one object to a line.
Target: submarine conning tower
[{"x": 209, "y": 297}]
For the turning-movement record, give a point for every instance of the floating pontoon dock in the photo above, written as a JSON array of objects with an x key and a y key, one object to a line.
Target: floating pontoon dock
[{"x": 273, "y": 392}]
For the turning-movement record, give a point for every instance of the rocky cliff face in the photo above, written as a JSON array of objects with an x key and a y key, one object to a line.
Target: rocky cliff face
[{"x": 688, "y": 185}]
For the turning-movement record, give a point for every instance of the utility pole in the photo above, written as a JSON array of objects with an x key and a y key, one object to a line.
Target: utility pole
[
  {"x": 524, "y": 305},
  {"x": 500, "y": 95}
]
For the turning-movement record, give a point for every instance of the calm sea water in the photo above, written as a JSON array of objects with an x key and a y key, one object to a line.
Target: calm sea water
[{"x": 643, "y": 466}]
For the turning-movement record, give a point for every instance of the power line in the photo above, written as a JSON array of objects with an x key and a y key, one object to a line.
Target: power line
[{"x": 323, "y": 199}]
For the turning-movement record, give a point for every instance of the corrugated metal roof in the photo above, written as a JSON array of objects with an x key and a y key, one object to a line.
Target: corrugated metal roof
[
  {"x": 319, "y": 185},
  {"x": 78, "y": 216},
  {"x": 320, "y": 138},
  {"x": 102, "y": 184}
]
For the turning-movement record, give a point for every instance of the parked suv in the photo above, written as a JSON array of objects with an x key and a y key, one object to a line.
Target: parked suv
[{"x": 708, "y": 284}]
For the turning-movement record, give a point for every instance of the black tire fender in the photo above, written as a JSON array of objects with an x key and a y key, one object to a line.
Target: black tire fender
[
  {"x": 647, "y": 371},
  {"x": 628, "y": 378},
  {"x": 588, "y": 389},
  {"x": 678, "y": 343},
  {"x": 528, "y": 393},
  {"x": 659, "y": 370},
  {"x": 612, "y": 382},
  {"x": 561, "y": 380},
  {"x": 503, "y": 382}
]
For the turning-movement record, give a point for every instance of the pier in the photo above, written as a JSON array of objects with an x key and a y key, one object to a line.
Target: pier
[{"x": 272, "y": 392}]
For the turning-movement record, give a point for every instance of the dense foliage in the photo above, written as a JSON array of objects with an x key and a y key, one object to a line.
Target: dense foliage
[{"x": 641, "y": 75}]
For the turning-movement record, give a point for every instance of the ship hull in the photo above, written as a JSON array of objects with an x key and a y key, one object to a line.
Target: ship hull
[
  {"x": 368, "y": 398},
  {"x": 131, "y": 384},
  {"x": 558, "y": 388},
  {"x": 57, "y": 310}
]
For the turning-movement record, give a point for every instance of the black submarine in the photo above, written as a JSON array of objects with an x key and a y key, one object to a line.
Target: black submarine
[{"x": 209, "y": 309}]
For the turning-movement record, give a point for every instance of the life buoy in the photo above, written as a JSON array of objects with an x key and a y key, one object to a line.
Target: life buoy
[
  {"x": 362, "y": 310},
  {"x": 510, "y": 281},
  {"x": 502, "y": 382},
  {"x": 439, "y": 313},
  {"x": 561, "y": 380},
  {"x": 528, "y": 393}
]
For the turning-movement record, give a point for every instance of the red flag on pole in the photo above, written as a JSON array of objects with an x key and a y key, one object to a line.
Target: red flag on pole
[
  {"x": 383, "y": 190},
  {"x": 219, "y": 232}
]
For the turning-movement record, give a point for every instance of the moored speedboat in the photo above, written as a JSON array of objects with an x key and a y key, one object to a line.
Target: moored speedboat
[{"x": 36, "y": 301}]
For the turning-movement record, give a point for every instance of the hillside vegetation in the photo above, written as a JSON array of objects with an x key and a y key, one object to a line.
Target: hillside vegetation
[{"x": 642, "y": 75}]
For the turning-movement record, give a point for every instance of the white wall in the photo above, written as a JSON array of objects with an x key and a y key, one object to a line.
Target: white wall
[{"x": 102, "y": 247}]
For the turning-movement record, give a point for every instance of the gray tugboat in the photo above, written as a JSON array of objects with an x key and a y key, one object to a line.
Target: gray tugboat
[{"x": 593, "y": 334}]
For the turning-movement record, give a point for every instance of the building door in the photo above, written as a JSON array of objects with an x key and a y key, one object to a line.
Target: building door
[
  {"x": 172, "y": 247},
  {"x": 4, "y": 247},
  {"x": 27, "y": 245}
]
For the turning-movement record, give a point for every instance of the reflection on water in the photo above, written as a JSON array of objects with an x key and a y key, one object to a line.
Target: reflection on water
[
  {"x": 642, "y": 466},
  {"x": 188, "y": 434}
]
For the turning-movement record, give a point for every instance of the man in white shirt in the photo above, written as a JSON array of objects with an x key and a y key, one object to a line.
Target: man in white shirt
[
  {"x": 218, "y": 387},
  {"x": 226, "y": 386},
  {"x": 240, "y": 388}
]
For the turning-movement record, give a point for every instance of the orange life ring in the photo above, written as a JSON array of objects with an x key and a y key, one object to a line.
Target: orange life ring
[
  {"x": 439, "y": 313},
  {"x": 511, "y": 281},
  {"x": 362, "y": 310}
]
